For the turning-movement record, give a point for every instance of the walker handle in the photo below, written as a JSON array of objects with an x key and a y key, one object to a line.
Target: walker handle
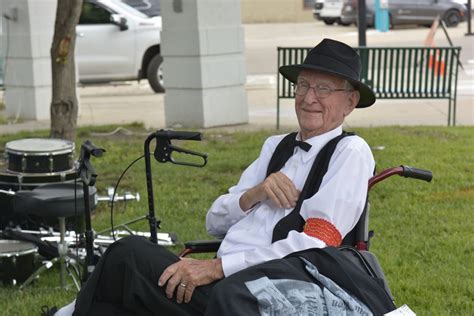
[{"x": 167, "y": 134}]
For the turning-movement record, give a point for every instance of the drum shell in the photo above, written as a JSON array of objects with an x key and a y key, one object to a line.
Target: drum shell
[
  {"x": 39, "y": 163},
  {"x": 17, "y": 263},
  {"x": 16, "y": 182}
]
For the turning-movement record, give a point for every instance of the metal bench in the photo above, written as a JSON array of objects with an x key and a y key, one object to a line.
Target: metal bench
[{"x": 393, "y": 73}]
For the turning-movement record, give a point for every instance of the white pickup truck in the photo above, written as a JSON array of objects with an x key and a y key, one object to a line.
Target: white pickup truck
[
  {"x": 329, "y": 11},
  {"x": 116, "y": 42}
]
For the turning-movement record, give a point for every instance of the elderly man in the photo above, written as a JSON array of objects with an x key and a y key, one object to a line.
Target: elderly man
[{"x": 306, "y": 190}]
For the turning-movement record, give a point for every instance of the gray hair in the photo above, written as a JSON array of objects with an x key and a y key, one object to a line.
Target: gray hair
[{"x": 348, "y": 85}]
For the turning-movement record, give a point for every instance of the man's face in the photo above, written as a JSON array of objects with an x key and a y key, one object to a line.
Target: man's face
[{"x": 318, "y": 115}]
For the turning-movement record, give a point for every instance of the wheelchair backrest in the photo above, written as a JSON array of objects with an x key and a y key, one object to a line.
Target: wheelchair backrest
[{"x": 359, "y": 236}]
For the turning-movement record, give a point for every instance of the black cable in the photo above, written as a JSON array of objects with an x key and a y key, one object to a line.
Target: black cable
[{"x": 115, "y": 191}]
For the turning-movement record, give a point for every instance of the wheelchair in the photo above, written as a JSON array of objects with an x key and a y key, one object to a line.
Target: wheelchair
[{"x": 356, "y": 243}]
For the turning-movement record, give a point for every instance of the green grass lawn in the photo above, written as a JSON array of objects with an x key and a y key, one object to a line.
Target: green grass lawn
[{"x": 424, "y": 232}]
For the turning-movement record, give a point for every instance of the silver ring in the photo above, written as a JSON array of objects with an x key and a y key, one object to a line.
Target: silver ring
[{"x": 182, "y": 285}]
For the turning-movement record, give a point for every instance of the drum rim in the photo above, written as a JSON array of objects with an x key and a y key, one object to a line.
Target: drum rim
[
  {"x": 44, "y": 153},
  {"x": 39, "y": 174},
  {"x": 33, "y": 249},
  {"x": 60, "y": 151}
]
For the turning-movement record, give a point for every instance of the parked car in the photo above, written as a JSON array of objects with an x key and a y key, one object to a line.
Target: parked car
[
  {"x": 116, "y": 42},
  {"x": 329, "y": 11},
  {"x": 318, "y": 6},
  {"x": 420, "y": 12}
]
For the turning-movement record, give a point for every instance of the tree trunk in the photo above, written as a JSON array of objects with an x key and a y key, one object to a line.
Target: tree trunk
[{"x": 64, "y": 105}]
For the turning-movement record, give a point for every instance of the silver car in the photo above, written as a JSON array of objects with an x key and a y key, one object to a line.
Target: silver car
[{"x": 420, "y": 12}]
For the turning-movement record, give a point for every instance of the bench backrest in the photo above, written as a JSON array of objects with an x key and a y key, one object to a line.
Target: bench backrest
[{"x": 392, "y": 72}]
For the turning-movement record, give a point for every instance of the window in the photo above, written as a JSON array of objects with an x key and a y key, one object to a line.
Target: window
[
  {"x": 308, "y": 4},
  {"x": 94, "y": 14}
]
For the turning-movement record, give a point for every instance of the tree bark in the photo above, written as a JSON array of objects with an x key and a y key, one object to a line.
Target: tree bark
[{"x": 64, "y": 104}]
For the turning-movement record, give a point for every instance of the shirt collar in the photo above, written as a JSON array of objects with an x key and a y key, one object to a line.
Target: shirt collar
[{"x": 317, "y": 142}]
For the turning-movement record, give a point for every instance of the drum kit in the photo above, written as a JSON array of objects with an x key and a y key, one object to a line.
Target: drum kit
[{"x": 41, "y": 181}]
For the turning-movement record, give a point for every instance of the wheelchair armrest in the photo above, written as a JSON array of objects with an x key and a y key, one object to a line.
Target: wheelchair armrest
[
  {"x": 200, "y": 246},
  {"x": 203, "y": 245}
]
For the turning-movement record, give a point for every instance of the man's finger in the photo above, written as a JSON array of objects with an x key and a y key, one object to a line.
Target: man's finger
[
  {"x": 180, "y": 292},
  {"x": 282, "y": 196},
  {"x": 291, "y": 194},
  {"x": 271, "y": 196},
  {"x": 284, "y": 190},
  {"x": 282, "y": 178},
  {"x": 169, "y": 271},
  {"x": 172, "y": 284},
  {"x": 277, "y": 196},
  {"x": 287, "y": 187},
  {"x": 188, "y": 293}
]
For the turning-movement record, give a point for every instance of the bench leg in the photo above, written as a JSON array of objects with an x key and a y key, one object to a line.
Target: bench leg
[
  {"x": 278, "y": 113},
  {"x": 454, "y": 111},
  {"x": 449, "y": 112}
]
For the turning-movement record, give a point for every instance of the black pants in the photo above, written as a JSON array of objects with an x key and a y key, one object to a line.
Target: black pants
[{"x": 125, "y": 282}]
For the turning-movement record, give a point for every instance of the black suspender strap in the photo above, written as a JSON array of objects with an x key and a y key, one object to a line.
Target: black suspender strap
[
  {"x": 294, "y": 221},
  {"x": 282, "y": 153}
]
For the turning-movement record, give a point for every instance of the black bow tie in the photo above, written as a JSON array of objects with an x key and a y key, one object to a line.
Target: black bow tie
[{"x": 303, "y": 145}]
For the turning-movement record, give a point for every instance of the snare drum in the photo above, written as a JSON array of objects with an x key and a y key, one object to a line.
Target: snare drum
[
  {"x": 17, "y": 260},
  {"x": 39, "y": 155}
]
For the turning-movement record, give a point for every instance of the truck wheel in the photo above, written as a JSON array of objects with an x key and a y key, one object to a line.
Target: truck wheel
[
  {"x": 329, "y": 21},
  {"x": 154, "y": 74},
  {"x": 339, "y": 21},
  {"x": 452, "y": 18}
]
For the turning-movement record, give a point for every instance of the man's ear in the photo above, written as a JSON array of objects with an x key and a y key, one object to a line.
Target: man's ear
[{"x": 354, "y": 98}]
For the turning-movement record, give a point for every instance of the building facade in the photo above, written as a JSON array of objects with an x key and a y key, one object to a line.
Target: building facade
[{"x": 276, "y": 11}]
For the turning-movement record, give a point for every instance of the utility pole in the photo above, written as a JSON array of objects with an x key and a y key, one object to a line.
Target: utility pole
[
  {"x": 362, "y": 22},
  {"x": 469, "y": 15}
]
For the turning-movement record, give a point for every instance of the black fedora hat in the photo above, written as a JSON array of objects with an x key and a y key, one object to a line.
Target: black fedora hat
[{"x": 335, "y": 58}]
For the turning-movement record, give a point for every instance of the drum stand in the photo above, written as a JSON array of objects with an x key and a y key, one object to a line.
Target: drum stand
[
  {"x": 65, "y": 262},
  {"x": 56, "y": 200}
]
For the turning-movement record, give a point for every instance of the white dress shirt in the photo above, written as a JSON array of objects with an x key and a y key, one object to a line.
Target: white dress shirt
[{"x": 340, "y": 200}]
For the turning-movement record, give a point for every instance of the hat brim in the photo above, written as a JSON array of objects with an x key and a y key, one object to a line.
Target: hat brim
[{"x": 367, "y": 96}]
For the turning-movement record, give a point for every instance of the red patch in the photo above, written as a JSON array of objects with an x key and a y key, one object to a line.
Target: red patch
[{"x": 323, "y": 230}]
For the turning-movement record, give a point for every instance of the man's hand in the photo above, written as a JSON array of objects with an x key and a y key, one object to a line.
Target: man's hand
[
  {"x": 185, "y": 275},
  {"x": 276, "y": 187}
]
